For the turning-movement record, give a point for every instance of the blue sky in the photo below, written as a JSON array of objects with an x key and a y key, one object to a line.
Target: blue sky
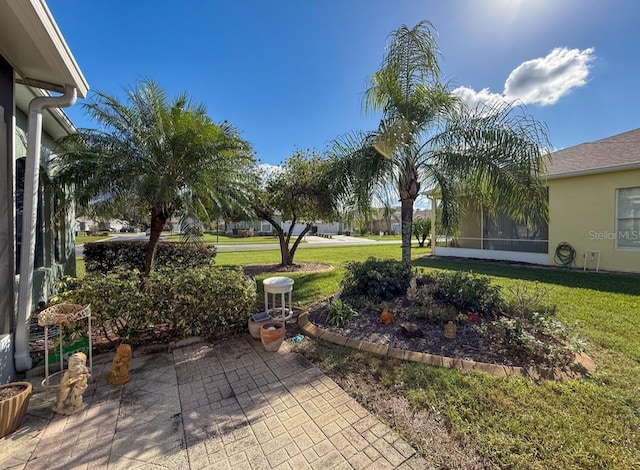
[{"x": 290, "y": 74}]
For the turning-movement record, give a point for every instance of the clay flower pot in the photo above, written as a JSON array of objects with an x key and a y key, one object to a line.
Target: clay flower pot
[
  {"x": 255, "y": 322},
  {"x": 272, "y": 335},
  {"x": 13, "y": 408}
]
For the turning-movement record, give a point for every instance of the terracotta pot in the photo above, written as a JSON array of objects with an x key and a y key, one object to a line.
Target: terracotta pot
[
  {"x": 13, "y": 409},
  {"x": 254, "y": 327},
  {"x": 272, "y": 335}
]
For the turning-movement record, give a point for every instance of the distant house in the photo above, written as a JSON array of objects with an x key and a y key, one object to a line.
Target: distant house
[
  {"x": 594, "y": 207},
  {"x": 262, "y": 227},
  {"x": 34, "y": 59},
  {"x": 257, "y": 227}
]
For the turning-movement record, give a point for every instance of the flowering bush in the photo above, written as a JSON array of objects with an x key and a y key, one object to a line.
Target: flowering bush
[{"x": 535, "y": 337}]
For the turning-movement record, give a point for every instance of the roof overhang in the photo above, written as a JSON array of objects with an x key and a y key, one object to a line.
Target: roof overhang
[
  {"x": 595, "y": 171},
  {"x": 436, "y": 193},
  {"x": 32, "y": 43}
]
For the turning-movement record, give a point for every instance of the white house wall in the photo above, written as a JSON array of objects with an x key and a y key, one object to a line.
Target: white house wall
[{"x": 330, "y": 228}]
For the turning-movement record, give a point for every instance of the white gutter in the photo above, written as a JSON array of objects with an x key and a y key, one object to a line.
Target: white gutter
[{"x": 29, "y": 216}]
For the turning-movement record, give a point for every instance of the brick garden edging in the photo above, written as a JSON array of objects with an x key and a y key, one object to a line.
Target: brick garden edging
[{"x": 581, "y": 366}]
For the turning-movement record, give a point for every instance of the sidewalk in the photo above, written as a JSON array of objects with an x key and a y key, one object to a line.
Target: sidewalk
[{"x": 228, "y": 405}]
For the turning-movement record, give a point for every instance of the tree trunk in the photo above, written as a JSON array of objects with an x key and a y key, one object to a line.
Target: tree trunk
[
  {"x": 285, "y": 255},
  {"x": 158, "y": 219},
  {"x": 292, "y": 251},
  {"x": 408, "y": 189},
  {"x": 407, "y": 221}
]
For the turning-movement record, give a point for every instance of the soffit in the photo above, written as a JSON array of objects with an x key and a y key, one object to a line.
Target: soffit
[{"x": 32, "y": 43}]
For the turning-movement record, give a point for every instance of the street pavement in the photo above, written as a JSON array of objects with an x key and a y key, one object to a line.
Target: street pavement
[{"x": 311, "y": 241}]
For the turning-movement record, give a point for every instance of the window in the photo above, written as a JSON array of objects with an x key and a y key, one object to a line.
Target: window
[
  {"x": 265, "y": 227},
  {"x": 628, "y": 218},
  {"x": 39, "y": 247},
  {"x": 504, "y": 234}
]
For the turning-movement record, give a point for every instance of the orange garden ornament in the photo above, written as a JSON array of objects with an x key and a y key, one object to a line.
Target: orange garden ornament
[
  {"x": 120, "y": 370},
  {"x": 386, "y": 317}
]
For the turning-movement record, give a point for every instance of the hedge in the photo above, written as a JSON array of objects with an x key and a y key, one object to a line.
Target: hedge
[
  {"x": 106, "y": 257},
  {"x": 205, "y": 301}
]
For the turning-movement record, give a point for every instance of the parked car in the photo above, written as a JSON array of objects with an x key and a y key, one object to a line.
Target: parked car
[{"x": 128, "y": 229}]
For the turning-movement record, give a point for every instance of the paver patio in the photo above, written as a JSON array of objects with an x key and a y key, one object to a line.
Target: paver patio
[{"x": 228, "y": 405}]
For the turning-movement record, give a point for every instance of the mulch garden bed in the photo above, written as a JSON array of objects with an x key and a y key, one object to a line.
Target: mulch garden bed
[{"x": 366, "y": 326}]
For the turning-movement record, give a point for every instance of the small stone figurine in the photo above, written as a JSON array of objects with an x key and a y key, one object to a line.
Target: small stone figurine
[
  {"x": 450, "y": 330},
  {"x": 120, "y": 370},
  {"x": 72, "y": 386}
]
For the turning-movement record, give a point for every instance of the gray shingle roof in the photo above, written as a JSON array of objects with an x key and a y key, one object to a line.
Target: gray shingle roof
[{"x": 622, "y": 150}]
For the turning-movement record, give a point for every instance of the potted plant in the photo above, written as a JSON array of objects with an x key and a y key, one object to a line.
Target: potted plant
[
  {"x": 14, "y": 401},
  {"x": 272, "y": 335}
]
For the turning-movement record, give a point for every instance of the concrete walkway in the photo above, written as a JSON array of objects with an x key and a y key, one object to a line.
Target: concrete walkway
[{"x": 228, "y": 405}]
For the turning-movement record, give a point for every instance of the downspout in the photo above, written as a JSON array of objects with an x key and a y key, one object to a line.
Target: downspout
[{"x": 29, "y": 216}]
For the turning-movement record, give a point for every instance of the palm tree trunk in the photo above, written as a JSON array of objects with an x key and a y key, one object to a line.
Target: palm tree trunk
[
  {"x": 157, "y": 224},
  {"x": 406, "y": 212}
]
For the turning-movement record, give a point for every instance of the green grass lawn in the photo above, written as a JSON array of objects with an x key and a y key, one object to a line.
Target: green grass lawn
[
  {"x": 230, "y": 240},
  {"x": 384, "y": 237},
  {"x": 82, "y": 239},
  {"x": 310, "y": 287}
]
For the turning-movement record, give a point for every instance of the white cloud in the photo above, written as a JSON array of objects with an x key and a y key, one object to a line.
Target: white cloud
[
  {"x": 540, "y": 81},
  {"x": 267, "y": 170},
  {"x": 545, "y": 80},
  {"x": 475, "y": 98}
]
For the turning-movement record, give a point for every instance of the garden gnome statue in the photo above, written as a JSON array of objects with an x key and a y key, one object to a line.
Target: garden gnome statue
[
  {"x": 120, "y": 371},
  {"x": 72, "y": 386}
]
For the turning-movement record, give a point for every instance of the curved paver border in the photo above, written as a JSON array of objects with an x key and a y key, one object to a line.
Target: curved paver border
[{"x": 581, "y": 366}]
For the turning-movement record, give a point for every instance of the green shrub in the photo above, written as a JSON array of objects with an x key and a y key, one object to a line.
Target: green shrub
[
  {"x": 377, "y": 279},
  {"x": 109, "y": 256},
  {"x": 523, "y": 300},
  {"x": 468, "y": 293},
  {"x": 204, "y": 301},
  {"x": 340, "y": 313},
  {"x": 117, "y": 304}
]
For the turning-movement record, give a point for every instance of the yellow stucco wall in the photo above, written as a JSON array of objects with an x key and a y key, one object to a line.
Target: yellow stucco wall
[{"x": 582, "y": 212}]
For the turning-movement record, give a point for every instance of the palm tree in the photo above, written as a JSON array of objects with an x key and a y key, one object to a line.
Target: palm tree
[
  {"x": 164, "y": 156},
  {"x": 427, "y": 136}
]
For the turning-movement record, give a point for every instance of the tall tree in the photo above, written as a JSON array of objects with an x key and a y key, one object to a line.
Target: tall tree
[
  {"x": 422, "y": 229},
  {"x": 427, "y": 136},
  {"x": 163, "y": 155},
  {"x": 300, "y": 193}
]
